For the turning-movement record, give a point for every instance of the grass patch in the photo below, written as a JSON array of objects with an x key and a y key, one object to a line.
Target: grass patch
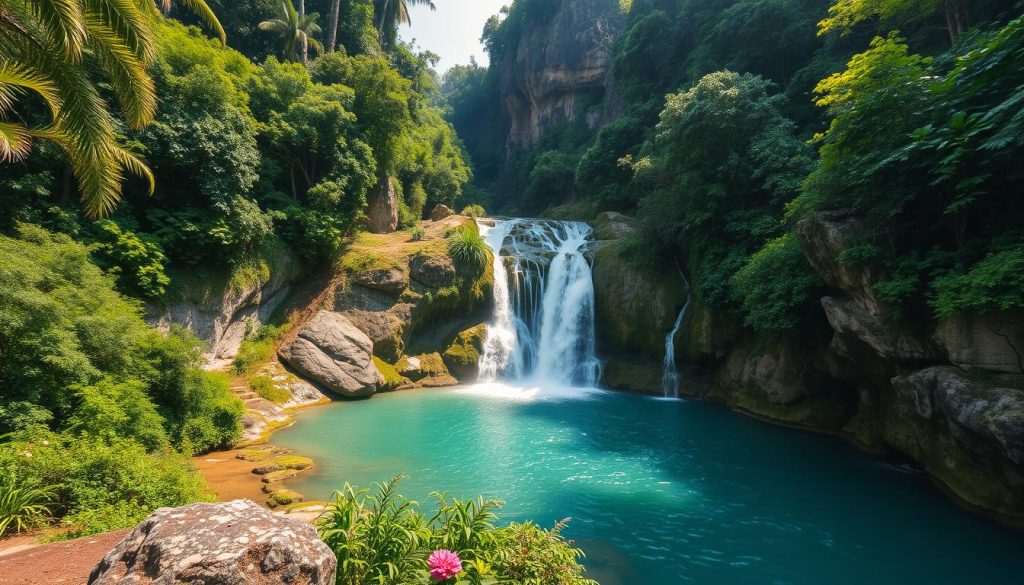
[
  {"x": 258, "y": 347},
  {"x": 264, "y": 386}
]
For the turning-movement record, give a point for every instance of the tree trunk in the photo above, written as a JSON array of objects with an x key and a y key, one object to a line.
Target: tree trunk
[
  {"x": 956, "y": 18},
  {"x": 305, "y": 42},
  {"x": 332, "y": 25}
]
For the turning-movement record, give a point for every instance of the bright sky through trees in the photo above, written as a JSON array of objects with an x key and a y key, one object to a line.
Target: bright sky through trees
[{"x": 453, "y": 30}]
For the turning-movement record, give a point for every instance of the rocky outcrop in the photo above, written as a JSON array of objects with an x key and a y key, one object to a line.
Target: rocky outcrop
[
  {"x": 558, "y": 67},
  {"x": 635, "y": 307},
  {"x": 220, "y": 317},
  {"x": 421, "y": 366},
  {"x": 968, "y": 433},
  {"x": 611, "y": 225},
  {"x": 228, "y": 543},
  {"x": 332, "y": 352},
  {"x": 382, "y": 207},
  {"x": 462, "y": 356},
  {"x": 993, "y": 342}
]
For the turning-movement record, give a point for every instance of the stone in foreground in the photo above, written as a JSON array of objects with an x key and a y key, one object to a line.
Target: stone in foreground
[
  {"x": 231, "y": 543},
  {"x": 331, "y": 351}
]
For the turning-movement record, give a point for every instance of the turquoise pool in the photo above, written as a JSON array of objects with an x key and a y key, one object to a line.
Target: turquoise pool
[{"x": 662, "y": 491}]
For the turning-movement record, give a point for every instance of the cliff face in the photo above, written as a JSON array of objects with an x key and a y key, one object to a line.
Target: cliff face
[
  {"x": 947, "y": 395},
  {"x": 559, "y": 68}
]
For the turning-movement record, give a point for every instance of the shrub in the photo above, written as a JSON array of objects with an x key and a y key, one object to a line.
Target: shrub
[
  {"x": 417, "y": 233},
  {"x": 100, "y": 484},
  {"x": 775, "y": 285},
  {"x": 475, "y": 210},
  {"x": 258, "y": 347},
  {"x": 468, "y": 248},
  {"x": 265, "y": 387},
  {"x": 994, "y": 283},
  {"x": 382, "y": 537},
  {"x": 22, "y": 505}
]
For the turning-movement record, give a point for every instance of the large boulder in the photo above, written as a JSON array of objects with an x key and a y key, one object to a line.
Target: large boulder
[
  {"x": 433, "y": 270},
  {"x": 231, "y": 543},
  {"x": 992, "y": 342},
  {"x": 611, "y": 225},
  {"x": 441, "y": 211},
  {"x": 333, "y": 352}
]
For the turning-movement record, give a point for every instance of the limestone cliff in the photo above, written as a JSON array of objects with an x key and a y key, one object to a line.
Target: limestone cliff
[
  {"x": 559, "y": 68},
  {"x": 947, "y": 395}
]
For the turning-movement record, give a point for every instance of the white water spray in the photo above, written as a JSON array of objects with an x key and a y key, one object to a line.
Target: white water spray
[
  {"x": 669, "y": 372},
  {"x": 543, "y": 324}
]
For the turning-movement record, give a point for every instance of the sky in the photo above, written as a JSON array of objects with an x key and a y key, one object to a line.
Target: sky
[{"x": 453, "y": 30}]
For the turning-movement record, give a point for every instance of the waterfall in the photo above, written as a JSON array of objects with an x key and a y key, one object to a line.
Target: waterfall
[
  {"x": 543, "y": 325},
  {"x": 669, "y": 373}
]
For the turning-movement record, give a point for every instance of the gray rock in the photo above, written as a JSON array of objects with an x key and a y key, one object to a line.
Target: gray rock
[
  {"x": 432, "y": 271},
  {"x": 441, "y": 211},
  {"x": 231, "y": 543},
  {"x": 392, "y": 280},
  {"x": 849, "y": 317},
  {"x": 992, "y": 342},
  {"x": 823, "y": 237},
  {"x": 220, "y": 318},
  {"x": 331, "y": 351}
]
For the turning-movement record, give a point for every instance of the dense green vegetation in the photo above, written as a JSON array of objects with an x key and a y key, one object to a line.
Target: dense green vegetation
[
  {"x": 250, "y": 157},
  {"x": 732, "y": 121}
]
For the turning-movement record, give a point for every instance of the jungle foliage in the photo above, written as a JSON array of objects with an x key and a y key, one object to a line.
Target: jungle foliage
[{"x": 734, "y": 120}]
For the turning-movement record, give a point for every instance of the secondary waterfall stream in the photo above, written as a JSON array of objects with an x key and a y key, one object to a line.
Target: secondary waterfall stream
[
  {"x": 669, "y": 371},
  {"x": 543, "y": 325}
]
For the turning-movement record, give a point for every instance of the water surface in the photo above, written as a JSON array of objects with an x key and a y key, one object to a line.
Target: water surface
[{"x": 662, "y": 491}]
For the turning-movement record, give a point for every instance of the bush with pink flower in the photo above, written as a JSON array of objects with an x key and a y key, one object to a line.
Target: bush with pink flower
[{"x": 381, "y": 537}]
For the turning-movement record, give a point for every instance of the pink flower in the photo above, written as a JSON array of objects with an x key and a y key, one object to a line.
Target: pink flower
[{"x": 444, "y": 564}]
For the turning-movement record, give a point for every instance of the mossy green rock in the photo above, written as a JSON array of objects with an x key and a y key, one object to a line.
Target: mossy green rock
[
  {"x": 392, "y": 379},
  {"x": 284, "y": 497},
  {"x": 639, "y": 377},
  {"x": 293, "y": 462},
  {"x": 421, "y": 366},
  {"x": 463, "y": 355},
  {"x": 635, "y": 307}
]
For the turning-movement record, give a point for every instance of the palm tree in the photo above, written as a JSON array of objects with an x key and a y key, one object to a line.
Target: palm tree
[
  {"x": 50, "y": 49},
  {"x": 201, "y": 9},
  {"x": 296, "y": 32},
  {"x": 391, "y": 13},
  {"x": 332, "y": 25}
]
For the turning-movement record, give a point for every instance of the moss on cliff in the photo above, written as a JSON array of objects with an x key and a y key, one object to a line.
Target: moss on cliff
[{"x": 463, "y": 355}]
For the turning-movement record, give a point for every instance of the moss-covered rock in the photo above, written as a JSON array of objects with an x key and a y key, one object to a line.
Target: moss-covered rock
[
  {"x": 278, "y": 476},
  {"x": 283, "y": 497},
  {"x": 636, "y": 376},
  {"x": 392, "y": 379},
  {"x": 635, "y": 307},
  {"x": 463, "y": 355},
  {"x": 292, "y": 462},
  {"x": 421, "y": 366}
]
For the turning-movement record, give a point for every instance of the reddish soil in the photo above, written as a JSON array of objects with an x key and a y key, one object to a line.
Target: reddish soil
[
  {"x": 67, "y": 562},
  {"x": 230, "y": 478}
]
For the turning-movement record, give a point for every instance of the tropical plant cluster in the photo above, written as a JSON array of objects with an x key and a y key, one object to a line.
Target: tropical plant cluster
[
  {"x": 729, "y": 122},
  {"x": 142, "y": 159},
  {"x": 381, "y": 537}
]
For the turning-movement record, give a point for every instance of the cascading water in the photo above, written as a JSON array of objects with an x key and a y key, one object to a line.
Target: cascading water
[
  {"x": 669, "y": 372},
  {"x": 543, "y": 325}
]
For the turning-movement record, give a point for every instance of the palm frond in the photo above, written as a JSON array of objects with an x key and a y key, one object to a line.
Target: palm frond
[
  {"x": 129, "y": 22},
  {"x": 62, "y": 22},
  {"x": 15, "y": 142},
  {"x": 15, "y": 78},
  {"x": 201, "y": 9},
  {"x": 133, "y": 86},
  {"x": 278, "y": 26},
  {"x": 135, "y": 166}
]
